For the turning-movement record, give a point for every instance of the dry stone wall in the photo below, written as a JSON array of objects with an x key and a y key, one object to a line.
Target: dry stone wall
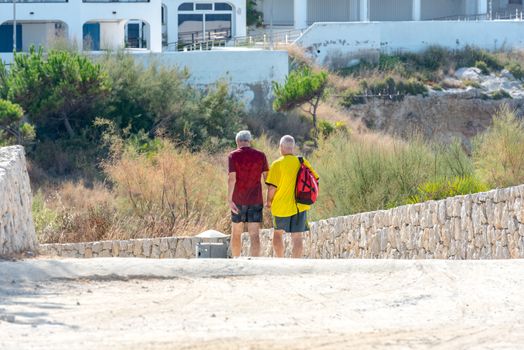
[
  {"x": 156, "y": 248},
  {"x": 486, "y": 225},
  {"x": 17, "y": 231}
]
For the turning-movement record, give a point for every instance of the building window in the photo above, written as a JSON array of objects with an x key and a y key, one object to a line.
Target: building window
[
  {"x": 186, "y": 6},
  {"x": 515, "y": 2},
  {"x": 204, "y": 7},
  {"x": 204, "y": 21},
  {"x": 222, "y": 6}
]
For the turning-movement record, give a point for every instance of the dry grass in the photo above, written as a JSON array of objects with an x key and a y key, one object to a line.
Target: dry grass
[{"x": 171, "y": 192}]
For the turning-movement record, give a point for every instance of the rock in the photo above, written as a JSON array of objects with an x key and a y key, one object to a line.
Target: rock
[
  {"x": 17, "y": 230},
  {"x": 468, "y": 73},
  {"x": 506, "y": 74}
]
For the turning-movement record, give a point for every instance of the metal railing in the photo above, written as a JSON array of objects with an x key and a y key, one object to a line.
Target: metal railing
[
  {"x": 265, "y": 41},
  {"x": 506, "y": 15},
  {"x": 261, "y": 41}
]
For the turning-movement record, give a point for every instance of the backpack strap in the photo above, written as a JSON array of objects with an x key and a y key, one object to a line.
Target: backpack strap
[{"x": 301, "y": 159}]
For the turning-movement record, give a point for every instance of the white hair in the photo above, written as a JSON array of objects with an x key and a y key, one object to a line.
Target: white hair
[
  {"x": 287, "y": 141},
  {"x": 243, "y": 135}
]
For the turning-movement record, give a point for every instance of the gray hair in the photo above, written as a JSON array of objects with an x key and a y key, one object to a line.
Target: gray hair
[
  {"x": 243, "y": 135},
  {"x": 287, "y": 141}
]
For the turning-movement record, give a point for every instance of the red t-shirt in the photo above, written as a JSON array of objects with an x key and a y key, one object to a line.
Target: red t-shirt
[{"x": 248, "y": 164}]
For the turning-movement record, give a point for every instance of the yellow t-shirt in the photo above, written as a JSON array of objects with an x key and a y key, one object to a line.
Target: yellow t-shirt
[{"x": 283, "y": 175}]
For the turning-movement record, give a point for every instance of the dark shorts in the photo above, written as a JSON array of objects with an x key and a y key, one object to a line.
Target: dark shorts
[
  {"x": 295, "y": 223},
  {"x": 248, "y": 213}
]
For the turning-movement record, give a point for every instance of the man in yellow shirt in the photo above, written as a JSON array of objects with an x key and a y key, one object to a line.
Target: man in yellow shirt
[{"x": 288, "y": 215}]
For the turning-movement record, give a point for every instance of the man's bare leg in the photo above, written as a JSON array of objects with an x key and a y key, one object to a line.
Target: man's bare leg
[
  {"x": 278, "y": 243},
  {"x": 236, "y": 235},
  {"x": 254, "y": 236},
  {"x": 298, "y": 245}
]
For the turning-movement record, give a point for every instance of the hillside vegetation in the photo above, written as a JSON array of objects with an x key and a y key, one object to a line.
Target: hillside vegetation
[{"x": 120, "y": 151}]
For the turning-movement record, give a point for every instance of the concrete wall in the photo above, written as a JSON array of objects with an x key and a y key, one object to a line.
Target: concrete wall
[
  {"x": 486, "y": 225},
  {"x": 338, "y": 43},
  {"x": 249, "y": 72},
  {"x": 17, "y": 231}
]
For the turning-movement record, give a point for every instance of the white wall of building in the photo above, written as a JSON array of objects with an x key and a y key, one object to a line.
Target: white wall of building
[
  {"x": 342, "y": 41},
  {"x": 75, "y": 13}
]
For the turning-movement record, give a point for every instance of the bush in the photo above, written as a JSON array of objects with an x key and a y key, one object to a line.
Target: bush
[
  {"x": 12, "y": 129},
  {"x": 497, "y": 153},
  {"x": 387, "y": 87},
  {"x": 482, "y": 66},
  {"x": 60, "y": 92},
  {"x": 516, "y": 70},
  {"x": 171, "y": 192},
  {"x": 327, "y": 128},
  {"x": 500, "y": 94},
  {"x": 158, "y": 99},
  {"x": 469, "y": 56},
  {"x": 442, "y": 188},
  {"x": 365, "y": 172},
  {"x": 302, "y": 86}
]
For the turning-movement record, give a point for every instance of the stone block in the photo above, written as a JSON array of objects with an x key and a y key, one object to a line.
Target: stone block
[
  {"x": 97, "y": 247},
  {"x": 146, "y": 248},
  {"x": 137, "y": 248}
]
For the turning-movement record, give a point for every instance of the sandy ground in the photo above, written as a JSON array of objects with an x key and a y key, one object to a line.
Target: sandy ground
[{"x": 261, "y": 304}]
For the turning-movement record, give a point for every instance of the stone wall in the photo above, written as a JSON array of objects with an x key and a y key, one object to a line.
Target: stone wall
[
  {"x": 17, "y": 231},
  {"x": 486, "y": 225},
  {"x": 156, "y": 248}
]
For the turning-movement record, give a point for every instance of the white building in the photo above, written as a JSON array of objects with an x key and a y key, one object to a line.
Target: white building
[
  {"x": 112, "y": 24},
  {"x": 302, "y": 13}
]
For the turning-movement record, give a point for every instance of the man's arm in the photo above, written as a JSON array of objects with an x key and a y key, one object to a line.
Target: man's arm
[
  {"x": 231, "y": 181},
  {"x": 270, "y": 195}
]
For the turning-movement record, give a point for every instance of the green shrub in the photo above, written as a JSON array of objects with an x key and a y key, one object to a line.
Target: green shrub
[
  {"x": 352, "y": 97},
  {"x": 45, "y": 219},
  {"x": 12, "y": 129},
  {"x": 482, "y": 66},
  {"x": 253, "y": 17},
  {"x": 442, "y": 188},
  {"x": 469, "y": 56},
  {"x": 60, "y": 92},
  {"x": 302, "y": 86},
  {"x": 384, "y": 87},
  {"x": 472, "y": 83},
  {"x": 497, "y": 153},
  {"x": 365, "y": 172},
  {"x": 516, "y": 70},
  {"x": 500, "y": 94}
]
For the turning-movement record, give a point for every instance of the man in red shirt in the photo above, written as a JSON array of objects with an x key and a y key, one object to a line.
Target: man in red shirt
[{"x": 246, "y": 166}]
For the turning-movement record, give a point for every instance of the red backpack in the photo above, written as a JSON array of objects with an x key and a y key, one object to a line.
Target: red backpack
[{"x": 306, "y": 188}]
